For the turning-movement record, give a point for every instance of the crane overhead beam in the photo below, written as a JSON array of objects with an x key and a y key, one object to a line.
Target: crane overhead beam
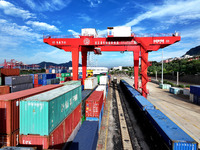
[{"x": 139, "y": 45}]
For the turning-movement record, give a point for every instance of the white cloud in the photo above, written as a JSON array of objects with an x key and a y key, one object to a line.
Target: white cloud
[
  {"x": 47, "y": 5},
  {"x": 42, "y": 26},
  {"x": 74, "y": 33},
  {"x": 94, "y": 3},
  {"x": 180, "y": 9},
  {"x": 12, "y": 10},
  {"x": 15, "y": 30},
  {"x": 84, "y": 17}
]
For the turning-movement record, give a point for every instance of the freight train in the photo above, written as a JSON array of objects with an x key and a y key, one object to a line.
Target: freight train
[{"x": 173, "y": 136}]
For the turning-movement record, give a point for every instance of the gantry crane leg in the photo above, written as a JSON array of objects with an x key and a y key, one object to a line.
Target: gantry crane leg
[
  {"x": 136, "y": 68},
  {"x": 84, "y": 64}
]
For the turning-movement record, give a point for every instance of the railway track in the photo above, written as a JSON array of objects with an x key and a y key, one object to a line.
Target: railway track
[{"x": 133, "y": 131}]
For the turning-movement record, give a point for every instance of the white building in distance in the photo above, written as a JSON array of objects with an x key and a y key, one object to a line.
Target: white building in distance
[{"x": 96, "y": 70}]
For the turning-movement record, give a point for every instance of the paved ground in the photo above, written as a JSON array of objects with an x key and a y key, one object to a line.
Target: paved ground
[{"x": 185, "y": 114}]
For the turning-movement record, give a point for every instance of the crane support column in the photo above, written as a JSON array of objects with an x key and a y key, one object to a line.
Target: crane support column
[
  {"x": 75, "y": 62},
  {"x": 144, "y": 67},
  {"x": 84, "y": 64},
  {"x": 136, "y": 68}
]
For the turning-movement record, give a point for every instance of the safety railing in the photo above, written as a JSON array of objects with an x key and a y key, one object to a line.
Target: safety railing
[
  {"x": 155, "y": 34},
  {"x": 60, "y": 36},
  {"x": 105, "y": 35}
]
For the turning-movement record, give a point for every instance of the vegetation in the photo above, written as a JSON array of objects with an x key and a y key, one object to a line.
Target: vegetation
[
  {"x": 182, "y": 66},
  {"x": 32, "y": 71}
]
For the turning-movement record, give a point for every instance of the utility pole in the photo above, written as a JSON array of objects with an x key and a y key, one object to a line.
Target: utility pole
[
  {"x": 162, "y": 68},
  {"x": 156, "y": 76},
  {"x": 177, "y": 78}
]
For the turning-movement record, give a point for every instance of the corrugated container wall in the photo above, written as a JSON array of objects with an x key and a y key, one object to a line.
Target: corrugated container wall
[
  {"x": 57, "y": 138},
  {"x": 16, "y": 80},
  {"x": 4, "y": 90},
  {"x": 42, "y": 113},
  {"x": 103, "y": 80},
  {"x": 8, "y": 72},
  {"x": 102, "y": 88},
  {"x": 72, "y": 83},
  {"x": 94, "y": 104},
  {"x": 9, "y": 139},
  {"x": 21, "y": 87},
  {"x": 9, "y": 107},
  {"x": 90, "y": 83}
]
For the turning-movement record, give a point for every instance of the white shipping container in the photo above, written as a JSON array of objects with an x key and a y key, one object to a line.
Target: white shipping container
[
  {"x": 191, "y": 97},
  {"x": 102, "y": 88},
  {"x": 186, "y": 92},
  {"x": 53, "y": 70},
  {"x": 103, "y": 80},
  {"x": 119, "y": 31},
  {"x": 90, "y": 83},
  {"x": 89, "y": 32}
]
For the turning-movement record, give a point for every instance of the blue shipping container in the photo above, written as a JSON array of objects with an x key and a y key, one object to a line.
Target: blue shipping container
[
  {"x": 173, "y": 135},
  {"x": 87, "y": 136},
  {"x": 195, "y": 89},
  {"x": 143, "y": 103},
  {"x": 97, "y": 119}
]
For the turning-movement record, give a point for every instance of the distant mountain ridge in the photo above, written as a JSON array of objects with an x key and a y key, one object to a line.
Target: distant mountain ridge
[
  {"x": 193, "y": 51},
  {"x": 67, "y": 64}
]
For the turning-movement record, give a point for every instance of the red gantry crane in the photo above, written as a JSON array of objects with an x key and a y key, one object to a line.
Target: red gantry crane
[{"x": 118, "y": 39}]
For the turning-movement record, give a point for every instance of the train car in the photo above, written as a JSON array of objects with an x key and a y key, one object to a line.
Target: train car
[
  {"x": 143, "y": 103},
  {"x": 174, "y": 137}
]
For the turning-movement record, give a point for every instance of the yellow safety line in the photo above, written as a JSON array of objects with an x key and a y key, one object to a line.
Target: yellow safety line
[{"x": 107, "y": 121}]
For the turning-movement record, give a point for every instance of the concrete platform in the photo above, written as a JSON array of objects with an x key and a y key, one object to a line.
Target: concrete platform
[{"x": 185, "y": 114}]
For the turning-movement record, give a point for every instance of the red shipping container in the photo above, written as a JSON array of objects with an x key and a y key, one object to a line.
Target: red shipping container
[
  {"x": 93, "y": 104},
  {"x": 4, "y": 90},
  {"x": 37, "y": 85},
  {"x": 9, "y": 107},
  {"x": 9, "y": 139},
  {"x": 58, "y": 74},
  {"x": 35, "y": 81},
  {"x": 68, "y": 79},
  {"x": 77, "y": 116},
  {"x": 10, "y": 72},
  {"x": 57, "y": 138},
  {"x": 35, "y": 76},
  {"x": 69, "y": 124}
]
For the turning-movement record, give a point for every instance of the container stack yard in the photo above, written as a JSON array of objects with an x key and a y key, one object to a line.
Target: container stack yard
[{"x": 89, "y": 110}]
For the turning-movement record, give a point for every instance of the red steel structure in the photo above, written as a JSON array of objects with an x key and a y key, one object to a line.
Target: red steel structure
[{"x": 139, "y": 45}]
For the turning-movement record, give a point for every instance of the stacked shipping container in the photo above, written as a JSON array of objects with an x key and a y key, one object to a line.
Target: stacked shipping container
[
  {"x": 94, "y": 107},
  {"x": 8, "y": 72},
  {"x": 195, "y": 94},
  {"x": 46, "y": 119},
  {"x": 19, "y": 83},
  {"x": 90, "y": 83},
  {"x": 9, "y": 110}
]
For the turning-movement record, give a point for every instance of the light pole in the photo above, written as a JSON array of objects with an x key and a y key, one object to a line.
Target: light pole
[{"x": 162, "y": 68}]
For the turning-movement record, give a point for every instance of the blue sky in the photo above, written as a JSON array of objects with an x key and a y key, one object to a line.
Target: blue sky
[{"x": 23, "y": 23}]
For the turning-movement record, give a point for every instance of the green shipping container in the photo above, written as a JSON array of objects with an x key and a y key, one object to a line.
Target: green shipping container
[
  {"x": 65, "y": 74},
  {"x": 42, "y": 113},
  {"x": 98, "y": 77},
  {"x": 72, "y": 83},
  {"x": 62, "y": 79}
]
